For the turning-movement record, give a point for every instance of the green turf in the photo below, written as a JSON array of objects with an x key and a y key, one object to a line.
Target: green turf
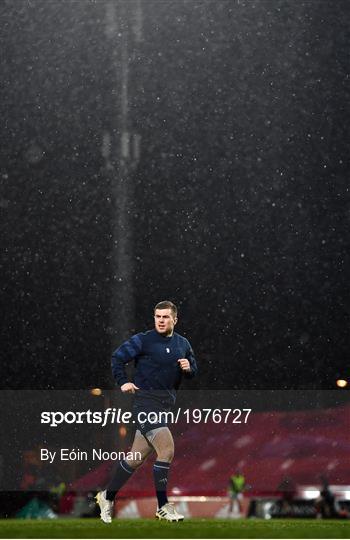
[{"x": 191, "y": 528}]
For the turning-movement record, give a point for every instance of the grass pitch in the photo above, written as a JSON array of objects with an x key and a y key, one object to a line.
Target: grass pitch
[{"x": 191, "y": 528}]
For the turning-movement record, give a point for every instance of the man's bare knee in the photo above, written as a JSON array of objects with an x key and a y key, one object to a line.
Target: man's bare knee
[
  {"x": 166, "y": 454},
  {"x": 136, "y": 462}
]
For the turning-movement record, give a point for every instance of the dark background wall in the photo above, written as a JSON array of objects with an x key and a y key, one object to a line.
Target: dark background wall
[{"x": 240, "y": 211}]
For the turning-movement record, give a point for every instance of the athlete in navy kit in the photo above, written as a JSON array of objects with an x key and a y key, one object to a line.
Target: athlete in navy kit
[{"x": 162, "y": 358}]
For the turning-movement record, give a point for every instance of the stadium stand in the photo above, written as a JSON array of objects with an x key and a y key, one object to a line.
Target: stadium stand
[{"x": 272, "y": 445}]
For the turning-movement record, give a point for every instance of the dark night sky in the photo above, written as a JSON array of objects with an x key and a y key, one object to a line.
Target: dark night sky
[{"x": 240, "y": 209}]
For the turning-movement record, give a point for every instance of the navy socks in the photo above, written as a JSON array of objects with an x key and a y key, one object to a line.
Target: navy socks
[
  {"x": 160, "y": 474},
  {"x": 124, "y": 472},
  {"x": 120, "y": 477}
]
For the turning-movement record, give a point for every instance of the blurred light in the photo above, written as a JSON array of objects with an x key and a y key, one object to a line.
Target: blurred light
[
  {"x": 122, "y": 431},
  {"x": 341, "y": 383},
  {"x": 311, "y": 493},
  {"x": 96, "y": 391}
]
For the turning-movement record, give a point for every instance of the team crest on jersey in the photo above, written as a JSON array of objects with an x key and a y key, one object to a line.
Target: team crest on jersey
[{"x": 167, "y": 350}]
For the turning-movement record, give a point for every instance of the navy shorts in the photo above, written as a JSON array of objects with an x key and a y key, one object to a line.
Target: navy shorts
[{"x": 146, "y": 414}]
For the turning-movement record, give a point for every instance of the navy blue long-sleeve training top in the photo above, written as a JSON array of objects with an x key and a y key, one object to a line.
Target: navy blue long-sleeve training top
[{"x": 156, "y": 361}]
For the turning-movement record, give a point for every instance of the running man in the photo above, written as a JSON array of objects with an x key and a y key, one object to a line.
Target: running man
[{"x": 162, "y": 357}]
